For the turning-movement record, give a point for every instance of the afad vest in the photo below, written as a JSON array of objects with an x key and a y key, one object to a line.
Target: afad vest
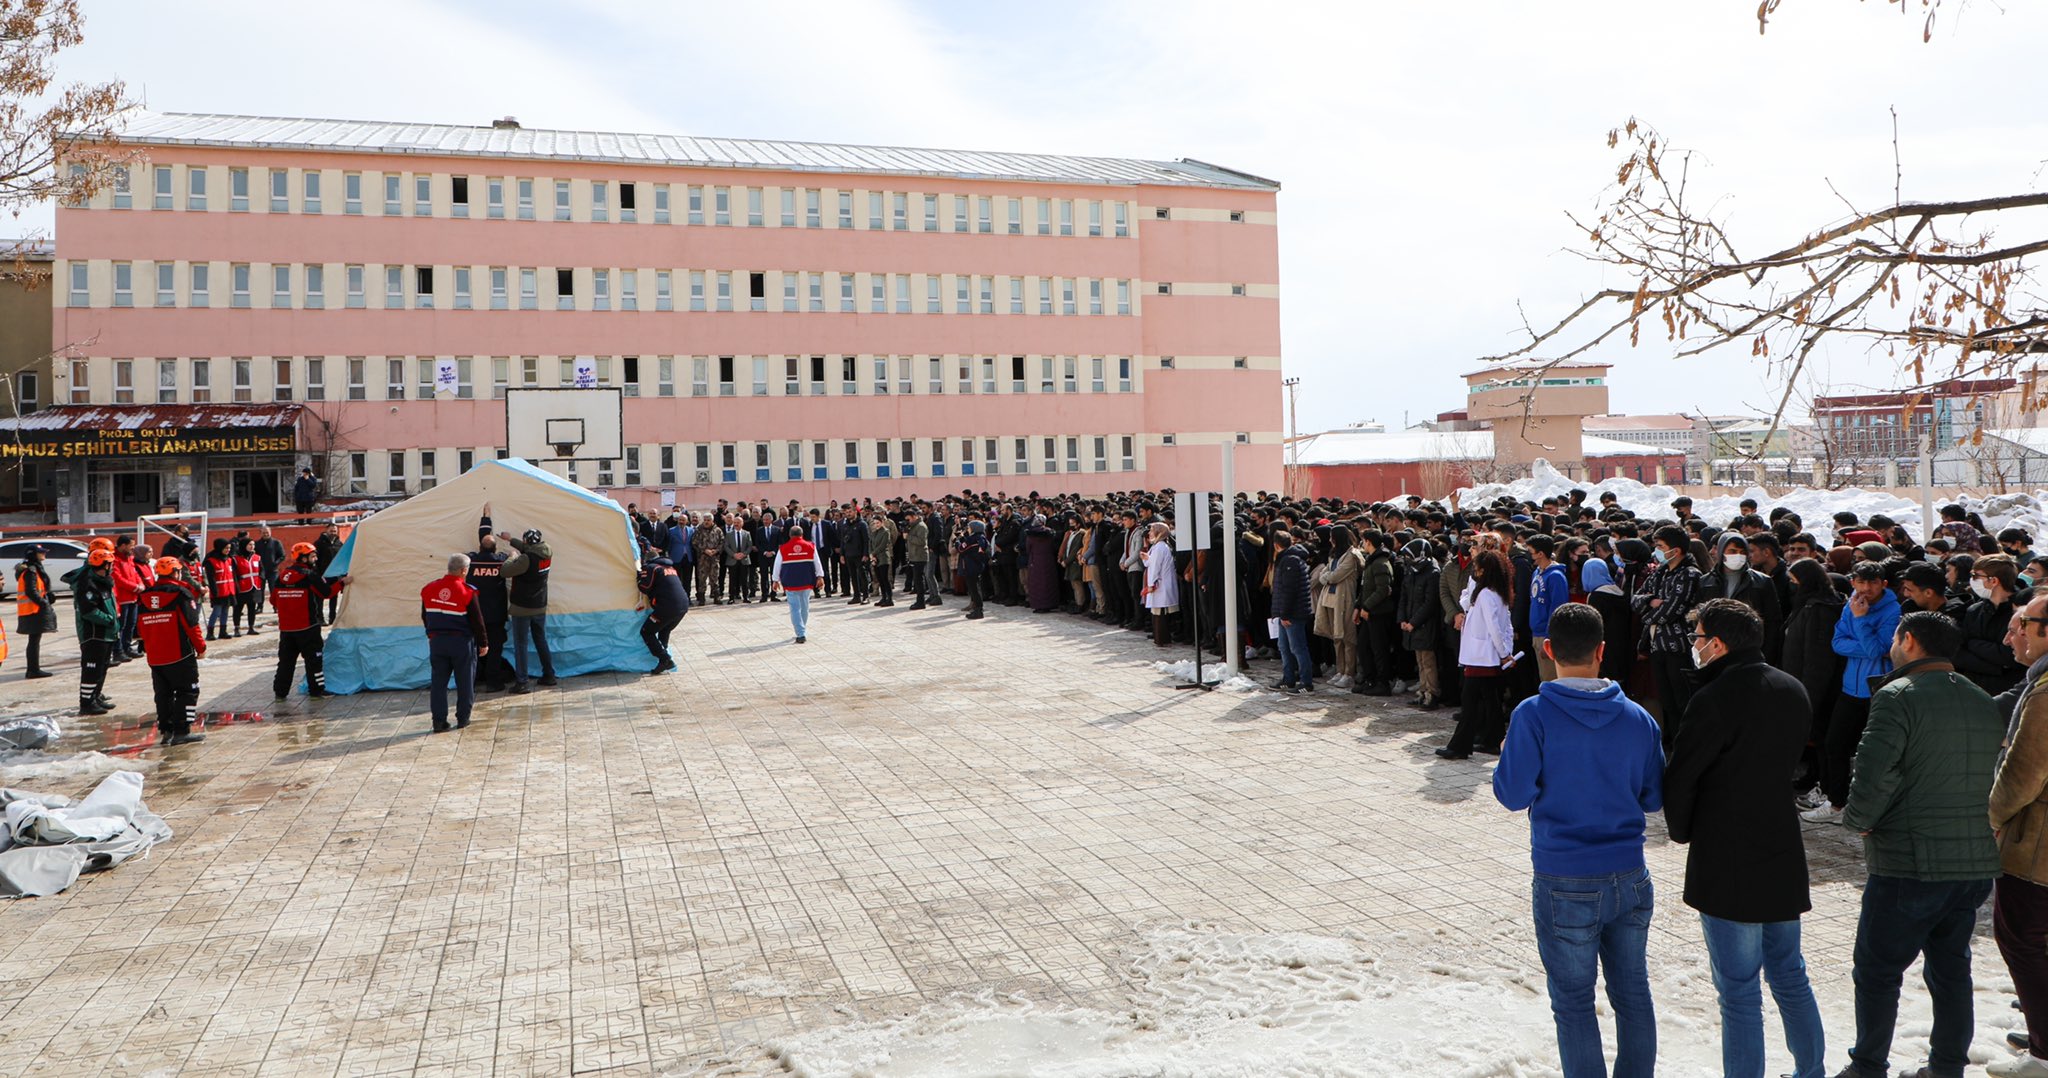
[
  {"x": 529, "y": 590},
  {"x": 799, "y": 570}
]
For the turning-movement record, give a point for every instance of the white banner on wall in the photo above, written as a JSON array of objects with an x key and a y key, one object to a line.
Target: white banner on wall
[
  {"x": 586, "y": 372},
  {"x": 445, "y": 376}
]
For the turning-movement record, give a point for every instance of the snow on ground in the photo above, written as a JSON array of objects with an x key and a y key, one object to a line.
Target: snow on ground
[
  {"x": 1208, "y": 1002},
  {"x": 1816, "y": 508},
  {"x": 55, "y": 772},
  {"x": 1212, "y": 674}
]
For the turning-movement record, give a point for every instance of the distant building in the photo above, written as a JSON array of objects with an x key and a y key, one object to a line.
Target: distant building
[
  {"x": 1536, "y": 409},
  {"x": 1382, "y": 467},
  {"x": 24, "y": 363},
  {"x": 1672, "y": 432},
  {"x": 1871, "y": 428},
  {"x": 2000, "y": 460}
]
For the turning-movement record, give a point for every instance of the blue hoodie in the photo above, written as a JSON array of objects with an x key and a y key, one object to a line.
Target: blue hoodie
[
  {"x": 1550, "y": 589},
  {"x": 1866, "y": 643},
  {"x": 1587, "y": 763}
]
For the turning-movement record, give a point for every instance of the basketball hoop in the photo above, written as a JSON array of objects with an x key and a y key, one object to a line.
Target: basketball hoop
[{"x": 566, "y": 435}]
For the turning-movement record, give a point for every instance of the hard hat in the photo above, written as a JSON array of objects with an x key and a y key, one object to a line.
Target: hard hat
[
  {"x": 301, "y": 550},
  {"x": 100, "y": 555},
  {"x": 168, "y": 566},
  {"x": 99, "y": 542}
]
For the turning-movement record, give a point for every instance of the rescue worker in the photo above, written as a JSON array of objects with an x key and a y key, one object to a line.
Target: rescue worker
[
  {"x": 35, "y": 612},
  {"x": 127, "y": 589},
  {"x": 220, "y": 577},
  {"x": 526, "y": 600},
  {"x": 799, "y": 571},
  {"x": 487, "y": 577},
  {"x": 668, "y": 601},
  {"x": 456, "y": 638},
  {"x": 99, "y": 627},
  {"x": 297, "y": 599},
  {"x": 169, "y": 627},
  {"x": 248, "y": 583}
]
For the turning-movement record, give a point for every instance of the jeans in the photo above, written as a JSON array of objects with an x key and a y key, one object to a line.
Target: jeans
[
  {"x": 1295, "y": 666},
  {"x": 1588, "y": 924},
  {"x": 129, "y": 645},
  {"x": 1739, "y": 952},
  {"x": 536, "y": 626},
  {"x": 1903, "y": 919},
  {"x": 456, "y": 655},
  {"x": 799, "y": 610}
]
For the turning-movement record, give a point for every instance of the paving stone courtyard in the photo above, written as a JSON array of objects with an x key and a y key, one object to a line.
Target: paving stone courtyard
[{"x": 688, "y": 875}]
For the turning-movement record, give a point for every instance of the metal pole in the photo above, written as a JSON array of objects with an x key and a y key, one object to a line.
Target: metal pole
[
  {"x": 1231, "y": 652},
  {"x": 1293, "y": 432},
  {"x": 1927, "y": 487}
]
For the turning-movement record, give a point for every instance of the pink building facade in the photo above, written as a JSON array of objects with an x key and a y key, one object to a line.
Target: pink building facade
[{"x": 788, "y": 321}]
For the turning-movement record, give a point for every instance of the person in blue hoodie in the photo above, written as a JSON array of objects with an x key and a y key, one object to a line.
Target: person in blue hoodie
[
  {"x": 1549, "y": 588},
  {"x": 1588, "y": 764},
  {"x": 1863, "y": 637}
]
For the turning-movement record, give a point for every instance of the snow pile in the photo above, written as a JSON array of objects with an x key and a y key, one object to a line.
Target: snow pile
[
  {"x": 1213, "y": 673},
  {"x": 28, "y": 768},
  {"x": 1816, "y": 508}
]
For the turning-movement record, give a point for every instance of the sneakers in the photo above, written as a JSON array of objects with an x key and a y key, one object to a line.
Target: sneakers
[
  {"x": 1822, "y": 813},
  {"x": 522, "y": 687},
  {"x": 2028, "y": 1065},
  {"x": 547, "y": 682},
  {"x": 801, "y": 639},
  {"x": 1810, "y": 799},
  {"x": 1340, "y": 682}
]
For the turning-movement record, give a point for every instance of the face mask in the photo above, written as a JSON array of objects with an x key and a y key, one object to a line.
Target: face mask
[
  {"x": 1662, "y": 556},
  {"x": 1699, "y": 658},
  {"x": 1980, "y": 589},
  {"x": 1735, "y": 561},
  {"x": 1618, "y": 563}
]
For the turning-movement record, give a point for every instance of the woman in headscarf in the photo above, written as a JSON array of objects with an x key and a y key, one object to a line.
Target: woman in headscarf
[
  {"x": 1810, "y": 652},
  {"x": 1042, "y": 580}
]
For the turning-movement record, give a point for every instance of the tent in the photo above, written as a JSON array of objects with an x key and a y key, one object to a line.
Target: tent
[{"x": 377, "y": 641}]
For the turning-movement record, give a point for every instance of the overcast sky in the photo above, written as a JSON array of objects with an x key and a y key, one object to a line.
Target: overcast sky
[{"x": 1428, "y": 149}]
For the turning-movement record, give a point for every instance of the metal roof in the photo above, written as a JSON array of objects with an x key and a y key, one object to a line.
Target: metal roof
[
  {"x": 447, "y": 140},
  {"x": 1416, "y": 446},
  {"x": 150, "y": 416}
]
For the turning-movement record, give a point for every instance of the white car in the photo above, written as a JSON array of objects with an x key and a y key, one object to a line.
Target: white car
[{"x": 60, "y": 556}]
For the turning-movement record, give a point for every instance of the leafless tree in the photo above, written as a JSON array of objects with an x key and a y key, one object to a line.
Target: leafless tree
[{"x": 42, "y": 125}]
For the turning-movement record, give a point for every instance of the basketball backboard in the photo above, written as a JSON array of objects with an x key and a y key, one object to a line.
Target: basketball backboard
[{"x": 565, "y": 424}]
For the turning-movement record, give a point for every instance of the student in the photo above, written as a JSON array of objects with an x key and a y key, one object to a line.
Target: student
[{"x": 1588, "y": 764}]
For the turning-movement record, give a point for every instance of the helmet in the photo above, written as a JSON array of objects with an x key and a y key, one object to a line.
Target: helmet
[
  {"x": 168, "y": 566},
  {"x": 532, "y": 536},
  {"x": 302, "y": 550},
  {"x": 100, "y": 542},
  {"x": 100, "y": 555}
]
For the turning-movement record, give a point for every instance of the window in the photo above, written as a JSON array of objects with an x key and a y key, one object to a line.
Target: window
[
  {"x": 526, "y": 200},
  {"x": 632, "y": 465},
  {"x": 789, "y": 207},
  {"x": 238, "y": 190},
  {"x": 1045, "y": 295},
  {"x": 1123, "y": 224},
  {"x": 124, "y": 381},
  {"x": 988, "y": 295},
  {"x": 394, "y": 287},
  {"x": 721, "y": 205},
  {"x": 852, "y": 460},
  {"x": 309, "y": 189},
  {"x": 932, "y": 303},
  {"x": 881, "y": 376},
  {"x": 393, "y": 192},
  {"x": 358, "y": 378},
  {"x": 1067, "y": 295},
  {"x": 195, "y": 188},
  {"x": 281, "y": 380},
  {"x": 725, "y": 386},
  {"x": 936, "y": 382},
  {"x": 629, "y": 201},
  {"x": 423, "y": 287},
  {"x": 280, "y": 287},
  {"x": 874, "y": 211},
  {"x": 696, "y": 205},
  {"x": 817, "y": 376},
  {"x": 629, "y": 290},
  {"x": 817, "y": 292},
  {"x": 849, "y": 381},
  {"x": 819, "y": 469},
  {"x": 1016, "y": 295},
  {"x": 1101, "y": 453},
  {"x": 1161, "y": 212},
  {"x": 202, "y": 381},
  {"x": 494, "y": 197},
  {"x": 199, "y": 292},
  {"x": 988, "y": 379},
  {"x": 664, "y": 291},
  {"x": 846, "y": 209},
  {"x": 355, "y": 287},
  {"x": 352, "y": 192},
  {"x": 1166, "y": 439},
  {"x": 600, "y": 200},
  {"x": 959, "y": 213},
  {"x": 966, "y": 456},
  {"x": 1016, "y": 374},
  {"x": 1123, "y": 297},
  {"x": 124, "y": 284},
  {"x": 424, "y": 389},
  {"x": 963, "y": 302},
  {"x": 1244, "y": 438},
  {"x": 696, "y": 290},
  {"x": 1166, "y": 363},
  {"x": 162, "y": 181},
  {"x": 1044, "y": 216},
  {"x": 244, "y": 371},
  {"x": 81, "y": 292},
  {"x": 238, "y": 283},
  {"x": 422, "y": 196},
  {"x": 600, "y": 290},
  {"x": 166, "y": 284},
  {"x": 1067, "y": 229},
  {"x": 1095, "y": 380},
  {"x": 394, "y": 472},
  {"x": 465, "y": 459},
  {"x": 760, "y": 366},
  {"x": 902, "y": 293},
  {"x": 1237, "y": 290},
  {"x": 1094, "y": 296},
  {"x": 881, "y": 458},
  {"x": 753, "y": 207},
  {"x": 1123, "y": 374},
  {"x": 878, "y": 295},
  {"x": 565, "y": 290},
  {"x": 931, "y": 213},
  {"x": 1237, "y": 217},
  {"x": 698, "y": 381},
  {"x": 789, "y": 301},
  {"x": 316, "y": 287},
  {"x": 728, "y": 463},
  {"x": 667, "y": 476},
  {"x": 1045, "y": 376},
  {"x": 28, "y": 392},
  {"x": 1240, "y": 362},
  {"x": 661, "y": 204},
  {"x": 724, "y": 290},
  {"x": 909, "y": 457},
  {"x": 1052, "y": 454},
  {"x": 501, "y": 377},
  {"x": 462, "y": 288},
  {"x": 1022, "y": 454},
  {"x": 123, "y": 189},
  {"x": 1094, "y": 225},
  {"x": 899, "y": 212},
  {"x": 811, "y": 211},
  {"x": 757, "y": 291},
  {"x": 988, "y": 447},
  {"x": 500, "y": 299},
  {"x": 394, "y": 379},
  {"x": 1166, "y": 288},
  {"x": 1130, "y": 453},
  {"x": 561, "y": 200}
]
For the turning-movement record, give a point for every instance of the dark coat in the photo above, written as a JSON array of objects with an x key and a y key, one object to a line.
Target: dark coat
[
  {"x": 853, "y": 540},
  {"x": 1984, "y": 658},
  {"x": 1810, "y": 648},
  {"x": 1290, "y": 587},
  {"x": 1420, "y": 606},
  {"x": 1617, "y": 632},
  {"x": 32, "y": 587},
  {"x": 1724, "y": 792},
  {"x": 1009, "y": 539},
  {"x": 1754, "y": 590},
  {"x": 1376, "y": 595}
]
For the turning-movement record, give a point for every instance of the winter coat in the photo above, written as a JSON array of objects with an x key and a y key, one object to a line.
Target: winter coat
[
  {"x": 1376, "y": 585},
  {"x": 1984, "y": 658},
  {"x": 1549, "y": 588},
  {"x": 92, "y": 604},
  {"x": 1664, "y": 626},
  {"x": 1616, "y": 632},
  {"x": 32, "y": 590},
  {"x": 1810, "y": 648},
  {"x": 1489, "y": 635},
  {"x": 1337, "y": 593},
  {"x": 1724, "y": 792},
  {"x": 1587, "y": 762},
  {"x": 1451, "y": 578},
  {"x": 2019, "y": 793},
  {"x": 1420, "y": 606},
  {"x": 1754, "y": 590},
  {"x": 1923, "y": 771},
  {"x": 917, "y": 543},
  {"x": 1290, "y": 586},
  {"x": 1866, "y": 643}
]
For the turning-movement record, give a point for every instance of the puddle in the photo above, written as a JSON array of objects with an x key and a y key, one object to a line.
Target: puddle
[{"x": 128, "y": 737}]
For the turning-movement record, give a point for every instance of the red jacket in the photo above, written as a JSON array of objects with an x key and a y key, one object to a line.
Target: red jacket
[
  {"x": 448, "y": 607},
  {"x": 127, "y": 581},
  {"x": 248, "y": 573},
  {"x": 220, "y": 576},
  {"x": 168, "y": 624},
  {"x": 298, "y": 594}
]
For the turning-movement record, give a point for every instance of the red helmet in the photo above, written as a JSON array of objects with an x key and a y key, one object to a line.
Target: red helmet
[
  {"x": 100, "y": 555},
  {"x": 302, "y": 550},
  {"x": 168, "y": 566}
]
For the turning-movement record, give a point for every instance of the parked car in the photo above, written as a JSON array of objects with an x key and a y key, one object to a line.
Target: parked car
[{"x": 60, "y": 556}]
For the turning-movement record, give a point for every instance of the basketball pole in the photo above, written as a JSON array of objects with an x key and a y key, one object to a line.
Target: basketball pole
[{"x": 1233, "y": 655}]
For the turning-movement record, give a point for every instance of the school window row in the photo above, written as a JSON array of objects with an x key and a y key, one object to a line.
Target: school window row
[
  {"x": 520, "y": 198},
  {"x": 356, "y": 286},
  {"x": 410, "y": 471},
  {"x": 250, "y": 379}
]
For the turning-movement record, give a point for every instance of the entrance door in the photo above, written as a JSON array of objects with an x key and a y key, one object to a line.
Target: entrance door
[
  {"x": 137, "y": 493},
  {"x": 99, "y": 498},
  {"x": 255, "y": 492}
]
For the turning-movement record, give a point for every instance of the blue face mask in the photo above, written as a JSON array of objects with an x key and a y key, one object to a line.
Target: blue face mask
[
  {"x": 1663, "y": 556},
  {"x": 1618, "y": 563}
]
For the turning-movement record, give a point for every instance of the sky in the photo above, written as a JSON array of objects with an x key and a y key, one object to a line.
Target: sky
[{"x": 1428, "y": 150}]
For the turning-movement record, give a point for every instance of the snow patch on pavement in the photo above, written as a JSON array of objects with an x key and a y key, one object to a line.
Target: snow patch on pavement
[
  {"x": 30, "y": 768},
  {"x": 1212, "y": 674}
]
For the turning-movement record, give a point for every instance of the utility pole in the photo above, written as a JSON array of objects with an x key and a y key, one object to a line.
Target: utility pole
[{"x": 1293, "y": 432}]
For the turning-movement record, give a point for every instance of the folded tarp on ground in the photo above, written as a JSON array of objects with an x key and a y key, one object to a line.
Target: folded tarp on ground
[{"x": 48, "y": 840}]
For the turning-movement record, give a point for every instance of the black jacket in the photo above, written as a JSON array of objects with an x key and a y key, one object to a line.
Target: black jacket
[
  {"x": 1984, "y": 658},
  {"x": 1754, "y": 590},
  {"x": 1009, "y": 540},
  {"x": 853, "y": 540},
  {"x": 1290, "y": 586},
  {"x": 1617, "y": 631},
  {"x": 1420, "y": 606},
  {"x": 664, "y": 589},
  {"x": 1810, "y": 648},
  {"x": 1724, "y": 792}
]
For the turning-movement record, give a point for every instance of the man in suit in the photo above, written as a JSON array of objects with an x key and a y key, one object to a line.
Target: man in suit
[
  {"x": 1009, "y": 540},
  {"x": 853, "y": 551},
  {"x": 824, "y": 534},
  {"x": 739, "y": 560},
  {"x": 767, "y": 540},
  {"x": 940, "y": 524}
]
